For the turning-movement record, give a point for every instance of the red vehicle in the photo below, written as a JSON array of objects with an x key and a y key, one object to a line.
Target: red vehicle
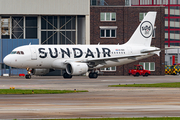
[{"x": 139, "y": 70}]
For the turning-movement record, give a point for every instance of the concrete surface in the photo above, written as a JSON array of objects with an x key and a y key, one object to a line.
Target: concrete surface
[{"x": 100, "y": 101}]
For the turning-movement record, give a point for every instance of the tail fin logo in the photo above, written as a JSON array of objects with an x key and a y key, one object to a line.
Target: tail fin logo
[{"x": 146, "y": 29}]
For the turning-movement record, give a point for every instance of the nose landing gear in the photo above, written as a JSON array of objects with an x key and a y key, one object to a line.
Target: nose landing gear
[{"x": 28, "y": 76}]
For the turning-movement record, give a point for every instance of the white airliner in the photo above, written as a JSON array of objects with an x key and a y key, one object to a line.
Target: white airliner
[{"x": 80, "y": 59}]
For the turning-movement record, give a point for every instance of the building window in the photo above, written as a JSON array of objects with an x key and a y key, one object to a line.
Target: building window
[
  {"x": 102, "y": 16},
  {"x": 109, "y": 69},
  {"x": 58, "y": 29},
  {"x": 5, "y": 28},
  {"x": 113, "y": 33},
  {"x": 174, "y": 2},
  {"x": 174, "y": 11},
  {"x": 174, "y": 44},
  {"x": 108, "y": 16},
  {"x": 17, "y": 27},
  {"x": 141, "y": 16},
  {"x": 148, "y": 65},
  {"x": 174, "y": 35},
  {"x": 127, "y": 2},
  {"x": 174, "y": 23},
  {"x": 93, "y": 2},
  {"x": 108, "y": 33},
  {"x": 98, "y": 2},
  {"x": 31, "y": 27}
]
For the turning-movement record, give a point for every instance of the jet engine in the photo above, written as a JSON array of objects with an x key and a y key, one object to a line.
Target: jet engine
[
  {"x": 40, "y": 71},
  {"x": 76, "y": 68}
]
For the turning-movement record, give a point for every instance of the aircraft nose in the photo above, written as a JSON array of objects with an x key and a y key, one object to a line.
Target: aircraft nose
[{"x": 7, "y": 60}]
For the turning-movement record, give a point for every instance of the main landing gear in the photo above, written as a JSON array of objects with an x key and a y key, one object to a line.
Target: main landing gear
[
  {"x": 93, "y": 75},
  {"x": 28, "y": 76},
  {"x": 66, "y": 76}
]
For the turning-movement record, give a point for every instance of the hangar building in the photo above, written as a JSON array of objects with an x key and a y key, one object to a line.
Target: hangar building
[{"x": 26, "y": 22}]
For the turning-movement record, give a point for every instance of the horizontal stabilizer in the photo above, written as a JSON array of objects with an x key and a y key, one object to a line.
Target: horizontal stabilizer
[
  {"x": 149, "y": 51},
  {"x": 158, "y": 49}
]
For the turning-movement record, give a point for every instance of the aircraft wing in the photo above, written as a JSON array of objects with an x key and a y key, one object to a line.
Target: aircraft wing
[
  {"x": 114, "y": 58},
  {"x": 92, "y": 62}
]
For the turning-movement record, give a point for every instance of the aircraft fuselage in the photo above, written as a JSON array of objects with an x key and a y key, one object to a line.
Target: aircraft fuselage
[{"x": 43, "y": 56}]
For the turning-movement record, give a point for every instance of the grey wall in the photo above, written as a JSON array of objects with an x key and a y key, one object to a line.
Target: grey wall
[{"x": 45, "y": 7}]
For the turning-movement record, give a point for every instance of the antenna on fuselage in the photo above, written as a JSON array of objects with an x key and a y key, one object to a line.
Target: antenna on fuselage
[
  {"x": 30, "y": 43},
  {"x": 99, "y": 43}
]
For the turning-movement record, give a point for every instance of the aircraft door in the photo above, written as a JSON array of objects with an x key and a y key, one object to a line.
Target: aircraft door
[{"x": 33, "y": 54}]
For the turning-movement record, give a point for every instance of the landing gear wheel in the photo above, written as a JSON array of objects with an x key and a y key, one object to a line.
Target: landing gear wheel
[
  {"x": 65, "y": 75},
  {"x": 28, "y": 76},
  {"x": 93, "y": 75},
  {"x": 90, "y": 75}
]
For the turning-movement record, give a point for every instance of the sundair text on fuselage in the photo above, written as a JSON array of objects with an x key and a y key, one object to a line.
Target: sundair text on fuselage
[{"x": 78, "y": 53}]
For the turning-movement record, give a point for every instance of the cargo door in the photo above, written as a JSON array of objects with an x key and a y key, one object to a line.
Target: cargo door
[{"x": 33, "y": 53}]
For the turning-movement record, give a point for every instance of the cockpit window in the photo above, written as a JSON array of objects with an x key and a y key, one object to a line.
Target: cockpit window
[
  {"x": 13, "y": 52},
  {"x": 17, "y": 52},
  {"x": 22, "y": 52}
]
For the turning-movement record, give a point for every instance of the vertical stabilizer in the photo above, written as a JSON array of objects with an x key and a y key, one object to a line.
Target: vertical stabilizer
[{"x": 144, "y": 32}]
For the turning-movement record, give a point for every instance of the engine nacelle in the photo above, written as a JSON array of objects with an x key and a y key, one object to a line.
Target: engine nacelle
[
  {"x": 40, "y": 71},
  {"x": 76, "y": 68}
]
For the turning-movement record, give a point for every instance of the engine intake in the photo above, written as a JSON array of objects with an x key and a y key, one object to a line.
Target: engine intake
[{"x": 76, "y": 68}]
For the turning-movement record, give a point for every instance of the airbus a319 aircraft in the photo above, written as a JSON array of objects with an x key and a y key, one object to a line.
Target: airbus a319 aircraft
[{"x": 80, "y": 59}]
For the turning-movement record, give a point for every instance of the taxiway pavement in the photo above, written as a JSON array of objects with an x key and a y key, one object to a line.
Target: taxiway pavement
[{"x": 100, "y": 101}]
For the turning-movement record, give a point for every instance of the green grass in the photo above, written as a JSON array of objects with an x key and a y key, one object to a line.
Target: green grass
[
  {"x": 145, "y": 118},
  {"x": 165, "y": 85},
  {"x": 18, "y": 91}
]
